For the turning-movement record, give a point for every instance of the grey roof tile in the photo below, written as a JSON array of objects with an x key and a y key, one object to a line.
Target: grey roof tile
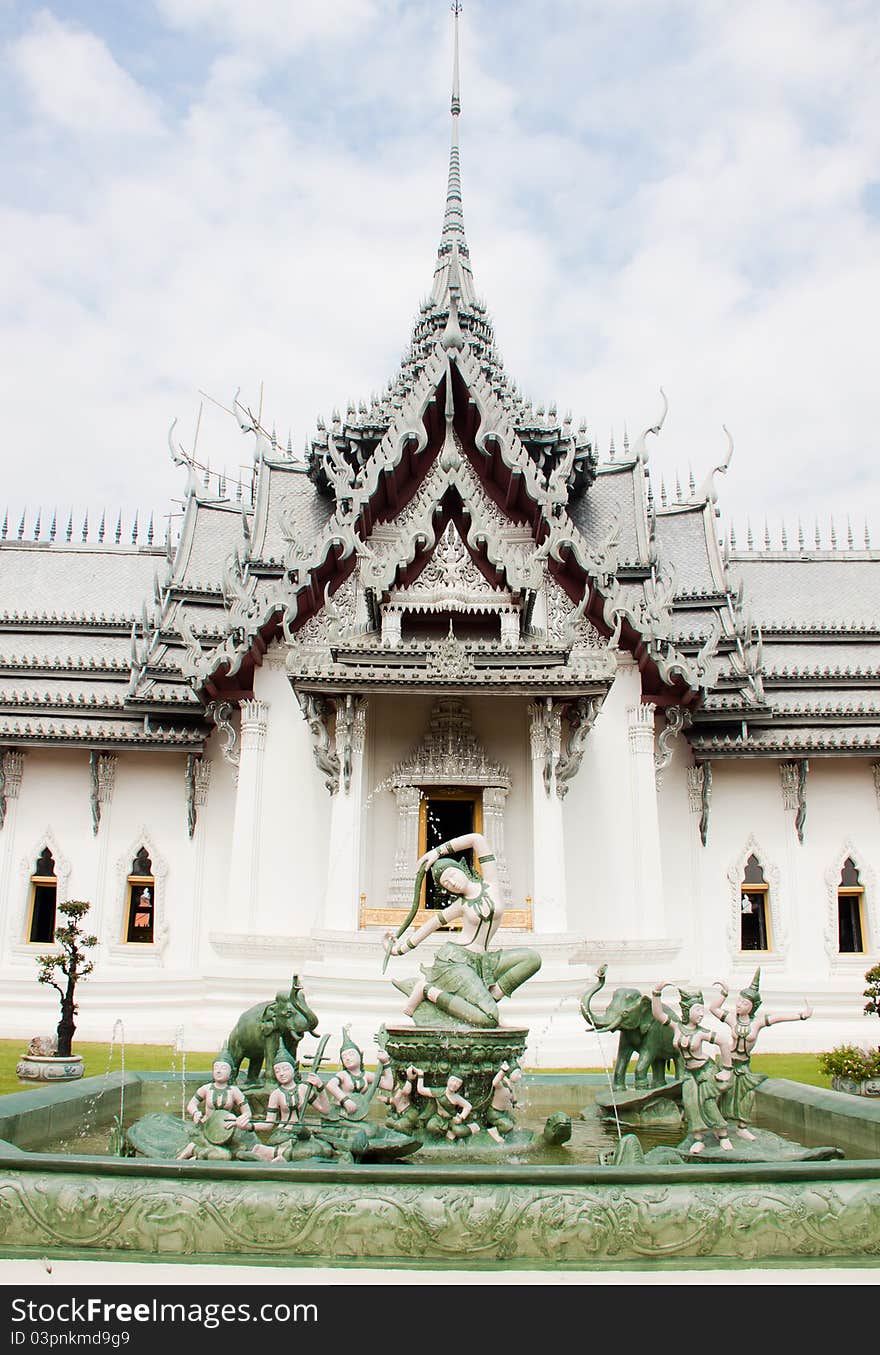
[
  {"x": 681, "y": 538},
  {"x": 842, "y": 592},
  {"x": 78, "y": 580},
  {"x": 614, "y": 493}
]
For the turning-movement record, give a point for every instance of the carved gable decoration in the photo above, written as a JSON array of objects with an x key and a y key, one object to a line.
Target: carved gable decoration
[{"x": 451, "y": 581}]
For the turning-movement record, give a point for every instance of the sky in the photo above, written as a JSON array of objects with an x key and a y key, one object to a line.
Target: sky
[{"x": 201, "y": 195}]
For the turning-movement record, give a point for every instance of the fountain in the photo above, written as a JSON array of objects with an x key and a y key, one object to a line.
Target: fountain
[{"x": 445, "y": 1154}]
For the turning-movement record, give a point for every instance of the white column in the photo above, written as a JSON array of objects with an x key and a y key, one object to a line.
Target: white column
[
  {"x": 244, "y": 864},
  {"x": 548, "y": 846},
  {"x": 342, "y": 894},
  {"x": 647, "y": 863}
]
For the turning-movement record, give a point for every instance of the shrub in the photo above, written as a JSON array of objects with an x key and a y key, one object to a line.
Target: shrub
[
  {"x": 851, "y": 1061},
  {"x": 872, "y": 1008}
]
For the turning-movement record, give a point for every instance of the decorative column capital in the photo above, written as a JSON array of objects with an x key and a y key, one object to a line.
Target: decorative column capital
[{"x": 640, "y": 726}]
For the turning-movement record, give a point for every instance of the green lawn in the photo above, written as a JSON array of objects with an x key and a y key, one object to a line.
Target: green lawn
[{"x": 158, "y": 1058}]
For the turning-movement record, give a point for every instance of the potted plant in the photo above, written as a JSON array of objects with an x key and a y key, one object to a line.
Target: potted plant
[
  {"x": 48, "y": 1060},
  {"x": 851, "y": 1068}
]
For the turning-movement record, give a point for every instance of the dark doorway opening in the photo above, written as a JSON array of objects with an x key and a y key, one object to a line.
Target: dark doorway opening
[{"x": 447, "y": 816}]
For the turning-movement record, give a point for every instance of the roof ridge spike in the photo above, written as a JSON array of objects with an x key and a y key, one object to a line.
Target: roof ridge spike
[
  {"x": 4, "y": 530},
  {"x": 784, "y": 535},
  {"x": 750, "y": 540},
  {"x": 867, "y": 536},
  {"x": 850, "y": 545},
  {"x": 766, "y": 534},
  {"x": 818, "y": 537},
  {"x": 102, "y": 526},
  {"x": 21, "y": 525},
  {"x": 117, "y": 535},
  {"x": 134, "y": 529},
  {"x": 68, "y": 533},
  {"x": 38, "y": 524},
  {"x": 800, "y": 534},
  {"x": 833, "y": 534},
  {"x": 453, "y": 216}
]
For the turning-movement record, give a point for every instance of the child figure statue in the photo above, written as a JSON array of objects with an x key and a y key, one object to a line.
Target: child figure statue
[
  {"x": 499, "y": 1116},
  {"x": 222, "y": 1116},
  {"x": 452, "y": 1110},
  {"x": 353, "y": 1088},
  {"x": 745, "y": 1025}
]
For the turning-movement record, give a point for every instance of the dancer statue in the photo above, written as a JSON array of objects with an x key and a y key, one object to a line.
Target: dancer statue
[
  {"x": 745, "y": 1025},
  {"x": 466, "y": 979},
  {"x": 701, "y": 1081}
]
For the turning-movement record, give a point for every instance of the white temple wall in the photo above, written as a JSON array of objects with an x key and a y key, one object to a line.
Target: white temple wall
[
  {"x": 287, "y": 861},
  {"x": 51, "y": 809},
  {"x": 598, "y": 822}
]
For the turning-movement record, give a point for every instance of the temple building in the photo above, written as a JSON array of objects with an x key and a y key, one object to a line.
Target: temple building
[{"x": 454, "y": 613}]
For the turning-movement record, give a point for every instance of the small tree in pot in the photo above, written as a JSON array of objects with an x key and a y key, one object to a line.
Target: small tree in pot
[{"x": 69, "y": 967}]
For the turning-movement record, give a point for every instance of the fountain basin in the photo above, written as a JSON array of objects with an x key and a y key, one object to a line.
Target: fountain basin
[{"x": 456, "y": 1213}]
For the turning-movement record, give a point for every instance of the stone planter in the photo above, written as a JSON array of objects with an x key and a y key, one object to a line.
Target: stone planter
[
  {"x": 870, "y": 1086},
  {"x": 49, "y": 1068}
]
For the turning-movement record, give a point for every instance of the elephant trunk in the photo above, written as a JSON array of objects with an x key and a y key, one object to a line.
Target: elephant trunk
[{"x": 593, "y": 1022}]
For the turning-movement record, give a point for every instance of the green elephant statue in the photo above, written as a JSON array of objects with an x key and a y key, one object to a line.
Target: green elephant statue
[
  {"x": 268, "y": 1030},
  {"x": 639, "y": 1033}
]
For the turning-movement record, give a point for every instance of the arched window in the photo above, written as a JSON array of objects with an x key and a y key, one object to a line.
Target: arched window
[
  {"x": 850, "y": 916},
  {"x": 141, "y": 900},
  {"x": 754, "y": 908},
  {"x": 44, "y": 896}
]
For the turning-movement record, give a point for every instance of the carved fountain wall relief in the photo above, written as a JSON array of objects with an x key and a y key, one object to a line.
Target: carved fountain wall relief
[{"x": 449, "y": 762}]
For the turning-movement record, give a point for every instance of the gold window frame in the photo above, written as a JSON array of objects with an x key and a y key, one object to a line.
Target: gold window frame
[
  {"x": 145, "y": 882},
  {"x": 853, "y": 891},
  {"x": 764, "y": 891}
]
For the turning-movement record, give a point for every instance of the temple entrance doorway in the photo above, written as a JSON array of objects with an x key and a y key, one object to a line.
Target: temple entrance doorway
[{"x": 446, "y": 814}]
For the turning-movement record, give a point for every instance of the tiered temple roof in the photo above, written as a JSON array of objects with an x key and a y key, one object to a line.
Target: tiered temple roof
[{"x": 771, "y": 652}]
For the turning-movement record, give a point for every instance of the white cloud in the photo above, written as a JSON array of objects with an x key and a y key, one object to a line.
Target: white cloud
[
  {"x": 643, "y": 208},
  {"x": 73, "y": 81},
  {"x": 272, "y": 26}
]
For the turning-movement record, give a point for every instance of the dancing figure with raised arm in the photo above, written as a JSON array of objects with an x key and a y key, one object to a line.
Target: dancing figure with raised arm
[
  {"x": 466, "y": 979},
  {"x": 745, "y": 1025},
  {"x": 701, "y": 1081}
]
